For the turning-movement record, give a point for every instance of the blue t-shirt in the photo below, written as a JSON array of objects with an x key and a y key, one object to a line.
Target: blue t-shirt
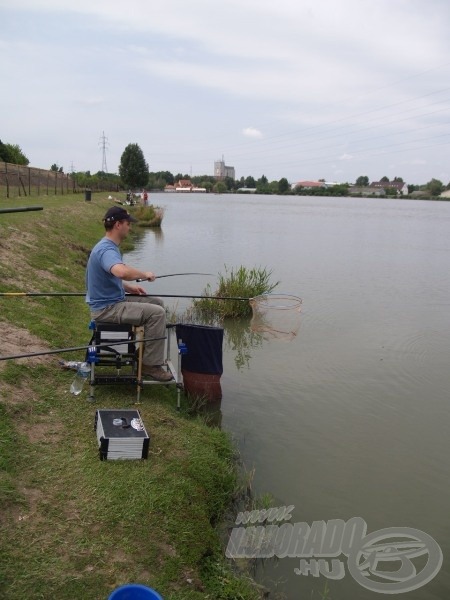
[{"x": 103, "y": 288}]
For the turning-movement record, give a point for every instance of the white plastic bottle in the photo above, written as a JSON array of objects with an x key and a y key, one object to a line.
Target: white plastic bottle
[{"x": 81, "y": 376}]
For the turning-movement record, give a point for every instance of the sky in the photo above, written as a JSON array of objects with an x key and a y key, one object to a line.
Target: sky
[{"x": 302, "y": 89}]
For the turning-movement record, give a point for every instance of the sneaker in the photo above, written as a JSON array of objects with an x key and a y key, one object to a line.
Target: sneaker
[{"x": 157, "y": 373}]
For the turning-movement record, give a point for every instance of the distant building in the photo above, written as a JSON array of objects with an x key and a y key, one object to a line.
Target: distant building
[
  {"x": 400, "y": 186},
  {"x": 184, "y": 185},
  {"x": 361, "y": 190},
  {"x": 309, "y": 184},
  {"x": 221, "y": 170}
]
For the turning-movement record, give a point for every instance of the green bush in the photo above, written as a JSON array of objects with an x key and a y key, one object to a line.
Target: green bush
[
  {"x": 148, "y": 216},
  {"x": 243, "y": 283}
]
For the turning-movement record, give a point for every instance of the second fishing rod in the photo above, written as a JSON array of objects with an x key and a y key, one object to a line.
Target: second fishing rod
[{"x": 69, "y": 294}]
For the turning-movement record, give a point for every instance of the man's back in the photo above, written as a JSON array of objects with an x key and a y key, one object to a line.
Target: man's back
[{"x": 103, "y": 288}]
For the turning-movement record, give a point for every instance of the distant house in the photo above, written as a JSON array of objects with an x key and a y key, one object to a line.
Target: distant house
[
  {"x": 309, "y": 184},
  {"x": 184, "y": 185},
  {"x": 400, "y": 186},
  {"x": 361, "y": 190}
]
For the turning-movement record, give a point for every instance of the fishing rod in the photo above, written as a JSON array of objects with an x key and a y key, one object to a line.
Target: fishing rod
[
  {"x": 20, "y": 209},
  {"x": 75, "y": 348},
  {"x": 176, "y": 275},
  {"x": 83, "y": 294},
  {"x": 62, "y": 294}
]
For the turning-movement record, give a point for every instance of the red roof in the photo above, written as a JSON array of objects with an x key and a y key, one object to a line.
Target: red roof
[{"x": 310, "y": 184}]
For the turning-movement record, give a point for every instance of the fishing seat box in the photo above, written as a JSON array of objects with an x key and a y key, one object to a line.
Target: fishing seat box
[{"x": 121, "y": 434}]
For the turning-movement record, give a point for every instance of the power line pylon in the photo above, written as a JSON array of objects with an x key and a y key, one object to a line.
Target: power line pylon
[{"x": 104, "y": 146}]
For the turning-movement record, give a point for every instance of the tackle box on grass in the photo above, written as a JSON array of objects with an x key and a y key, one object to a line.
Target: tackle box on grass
[{"x": 121, "y": 434}]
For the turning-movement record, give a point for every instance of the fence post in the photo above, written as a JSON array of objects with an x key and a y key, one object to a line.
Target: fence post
[
  {"x": 6, "y": 177},
  {"x": 19, "y": 175}
]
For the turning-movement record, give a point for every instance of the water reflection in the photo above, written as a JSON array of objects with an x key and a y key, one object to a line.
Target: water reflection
[
  {"x": 241, "y": 343},
  {"x": 275, "y": 317},
  {"x": 240, "y": 340},
  {"x": 158, "y": 235},
  {"x": 140, "y": 238}
]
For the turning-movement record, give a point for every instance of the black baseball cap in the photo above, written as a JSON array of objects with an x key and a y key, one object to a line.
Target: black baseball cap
[{"x": 117, "y": 213}]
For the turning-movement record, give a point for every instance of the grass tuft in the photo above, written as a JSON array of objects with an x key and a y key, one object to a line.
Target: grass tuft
[
  {"x": 148, "y": 216},
  {"x": 242, "y": 282}
]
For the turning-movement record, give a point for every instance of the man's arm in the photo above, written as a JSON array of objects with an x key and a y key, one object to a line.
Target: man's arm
[{"x": 127, "y": 273}]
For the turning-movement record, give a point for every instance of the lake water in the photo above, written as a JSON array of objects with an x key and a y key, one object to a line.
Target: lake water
[{"x": 352, "y": 417}]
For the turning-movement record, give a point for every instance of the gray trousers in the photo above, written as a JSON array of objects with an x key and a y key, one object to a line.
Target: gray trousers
[{"x": 140, "y": 310}]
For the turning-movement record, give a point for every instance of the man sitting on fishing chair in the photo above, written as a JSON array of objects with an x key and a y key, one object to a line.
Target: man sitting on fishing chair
[{"x": 106, "y": 283}]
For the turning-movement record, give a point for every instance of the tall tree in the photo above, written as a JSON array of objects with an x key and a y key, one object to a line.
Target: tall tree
[
  {"x": 363, "y": 180},
  {"x": 3, "y": 152},
  {"x": 435, "y": 187},
  {"x": 229, "y": 182},
  {"x": 12, "y": 153},
  {"x": 220, "y": 187},
  {"x": 133, "y": 169},
  {"x": 283, "y": 185}
]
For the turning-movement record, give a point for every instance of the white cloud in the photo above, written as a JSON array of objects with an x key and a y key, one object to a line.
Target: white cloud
[
  {"x": 323, "y": 79},
  {"x": 251, "y": 132}
]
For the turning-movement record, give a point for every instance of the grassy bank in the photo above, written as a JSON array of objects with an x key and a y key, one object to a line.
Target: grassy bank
[{"x": 73, "y": 526}]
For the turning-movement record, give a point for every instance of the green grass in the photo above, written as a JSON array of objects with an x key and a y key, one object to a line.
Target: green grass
[
  {"x": 74, "y": 526},
  {"x": 148, "y": 216},
  {"x": 241, "y": 282}
]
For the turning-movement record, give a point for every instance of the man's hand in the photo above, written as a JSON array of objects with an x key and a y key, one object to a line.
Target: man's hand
[
  {"x": 149, "y": 276},
  {"x": 135, "y": 289}
]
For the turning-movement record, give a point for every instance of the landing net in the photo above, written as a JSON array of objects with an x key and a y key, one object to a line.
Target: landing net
[{"x": 276, "y": 316}]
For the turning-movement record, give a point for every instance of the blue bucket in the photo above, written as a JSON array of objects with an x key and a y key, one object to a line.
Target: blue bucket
[{"x": 134, "y": 591}]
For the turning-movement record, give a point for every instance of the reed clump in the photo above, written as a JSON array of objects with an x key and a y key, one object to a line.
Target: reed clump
[
  {"x": 148, "y": 216},
  {"x": 241, "y": 282}
]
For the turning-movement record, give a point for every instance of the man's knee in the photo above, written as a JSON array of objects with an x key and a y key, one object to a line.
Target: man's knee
[
  {"x": 152, "y": 300},
  {"x": 154, "y": 311},
  {"x": 157, "y": 301}
]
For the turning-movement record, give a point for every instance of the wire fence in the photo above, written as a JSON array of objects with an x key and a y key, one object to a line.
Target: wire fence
[{"x": 19, "y": 180}]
